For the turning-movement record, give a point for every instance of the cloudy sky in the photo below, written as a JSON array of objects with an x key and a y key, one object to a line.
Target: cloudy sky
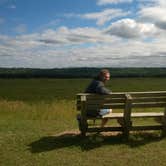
[{"x": 82, "y": 33}]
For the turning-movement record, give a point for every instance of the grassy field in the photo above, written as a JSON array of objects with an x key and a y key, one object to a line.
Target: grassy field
[{"x": 38, "y": 126}]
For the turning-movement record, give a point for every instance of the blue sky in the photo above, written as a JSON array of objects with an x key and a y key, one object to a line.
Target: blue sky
[{"x": 82, "y": 33}]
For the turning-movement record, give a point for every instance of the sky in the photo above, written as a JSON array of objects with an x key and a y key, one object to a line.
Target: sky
[{"x": 82, "y": 33}]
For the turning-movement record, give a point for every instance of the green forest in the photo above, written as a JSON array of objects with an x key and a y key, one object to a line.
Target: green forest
[{"x": 79, "y": 72}]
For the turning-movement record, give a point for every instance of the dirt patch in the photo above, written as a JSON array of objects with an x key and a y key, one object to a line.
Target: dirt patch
[
  {"x": 77, "y": 132},
  {"x": 68, "y": 132}
]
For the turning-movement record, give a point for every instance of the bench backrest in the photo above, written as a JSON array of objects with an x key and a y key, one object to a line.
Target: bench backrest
[
  {"x": 148, "y": 99},
  {"x": 119, "y": 100},
  {"x": 95, "y": 101}
]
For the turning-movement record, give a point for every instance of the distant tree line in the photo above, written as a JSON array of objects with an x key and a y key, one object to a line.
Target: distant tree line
[{"x": 79, "y": 72}]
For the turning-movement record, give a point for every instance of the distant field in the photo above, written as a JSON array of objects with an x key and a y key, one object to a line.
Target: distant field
[
  {"x": 33, "y": 90},
  {"x": 38, "y": 126}
]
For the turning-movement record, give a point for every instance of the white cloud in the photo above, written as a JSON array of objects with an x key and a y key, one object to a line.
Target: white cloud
[
  {"x": 64, "y": 35},
  {"x": 50, "y": 40},
  {"x": 19, "y": 43},
  {"x": 105, "y": 16},
  {"x": 128, "y": 28},
  {"x": 105, "y": 2},
  {"x": 130, "y": 54},
  {"x": 105, "y": 50},
  {"x": 154, "y": 14}
]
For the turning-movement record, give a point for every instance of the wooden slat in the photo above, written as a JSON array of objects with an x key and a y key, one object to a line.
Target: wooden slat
[
  {"x": 148, "y": 99},
  {"x": 133, "y": 115},
  {"x": 112, "y": 93},
  {"x": 113, "y": 116},
  {"x": 97, "y": 96},
  {"x": 101, "y": 101},
  {"x": 147, "y": 114},
  {"x": 105, "y": 100},
  {"x": 99, "y": 129},
  {"x": 113, "y": 106},
  {"x": 155, "y": 127},
  {"x": 148, "y": 105},
  {"x": 122, "y": 94},
  {"x": 118, "y": 105},
  {"x": 148, "y": 94}
]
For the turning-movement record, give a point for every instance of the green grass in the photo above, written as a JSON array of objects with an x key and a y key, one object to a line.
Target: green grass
[
  {"x": 38, "y": 126},
  {"x": 48, "y": 90}
]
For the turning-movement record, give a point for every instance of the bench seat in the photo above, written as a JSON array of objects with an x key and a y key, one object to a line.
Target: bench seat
[{"x": 135, "y": 115}]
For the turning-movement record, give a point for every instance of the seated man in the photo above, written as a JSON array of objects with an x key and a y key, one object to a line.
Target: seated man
[{"x": 98, "y": 86}]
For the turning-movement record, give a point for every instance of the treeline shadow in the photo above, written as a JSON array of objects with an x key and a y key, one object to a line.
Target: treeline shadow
[{"x": 91, "y": 141}]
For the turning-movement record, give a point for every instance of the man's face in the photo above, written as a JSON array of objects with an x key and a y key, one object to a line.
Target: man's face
[{"x": 107, "y": 76}]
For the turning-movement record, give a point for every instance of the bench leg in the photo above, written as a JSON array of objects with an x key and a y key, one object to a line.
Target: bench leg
[
  {"x": 125, "y": 126},
  {"x": 164, "y": 124},
  {"x": 82, "y": 124},
  {"x": 83, "y": 128},
  {"x": 126, "y": 130}
]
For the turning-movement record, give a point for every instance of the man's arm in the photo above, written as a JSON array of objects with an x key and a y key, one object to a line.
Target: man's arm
[{"x": 101, "y": 89}]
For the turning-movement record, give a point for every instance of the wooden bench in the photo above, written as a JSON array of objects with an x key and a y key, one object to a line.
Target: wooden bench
[{"x": 126, "y": 106}]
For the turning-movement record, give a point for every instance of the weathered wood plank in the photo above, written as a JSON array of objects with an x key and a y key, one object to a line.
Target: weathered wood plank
[
  {"x": 104, "y": 101},
  {"x": 155, "y": 127},
  {"x": 133, "y": 115},
  {"x": 148, "y": 105},
  {"x": 147, "y": 114},
  {"x": 106, "y": 106},
  {"x": 83, "y": 123},
  {"x": 148, "y": 94},
  {"x": 127, "y": 116},
  {"x": 148, "y": 99},
  {"x": 122, "y": 94},
  {"x": 164, "y": 123},
  {"x": 99, "y": 129},
  {"x": 94, "y": 107},
  {"x": 117, "y": 94}
]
